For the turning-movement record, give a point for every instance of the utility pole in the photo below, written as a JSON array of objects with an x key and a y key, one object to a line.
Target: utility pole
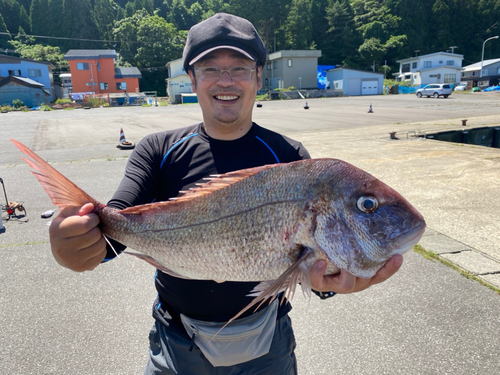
[
  {"x": 416, "y": 52},
  {"x": 453, "y": 49},
  {"x": 373, "y": 66}
]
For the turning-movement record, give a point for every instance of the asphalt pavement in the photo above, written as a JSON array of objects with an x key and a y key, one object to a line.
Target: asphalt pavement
[{"x": 427, "y": 319}]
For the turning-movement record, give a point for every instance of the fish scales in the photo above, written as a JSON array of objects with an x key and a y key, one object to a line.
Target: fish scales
[
  {"x": 268, "y": 224},
  {"x": 253, "y": 219}
]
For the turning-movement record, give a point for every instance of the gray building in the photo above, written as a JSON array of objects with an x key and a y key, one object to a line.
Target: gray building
[
  {"x": 471, "y": 74},
  {"x": 32, "y": 93},
  {"x": 297, "y": 68},
  {"x": 354, "y": 82}
]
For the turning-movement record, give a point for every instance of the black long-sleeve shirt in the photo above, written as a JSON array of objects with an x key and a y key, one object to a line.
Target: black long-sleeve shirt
[{"x": 165, "y": 163}]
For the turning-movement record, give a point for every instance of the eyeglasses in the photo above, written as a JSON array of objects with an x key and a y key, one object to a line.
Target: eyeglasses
[{"x": 237, "y": 73}]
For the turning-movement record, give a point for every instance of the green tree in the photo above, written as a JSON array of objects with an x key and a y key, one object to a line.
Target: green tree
[
  {"x": 344, "y": 37},
  {"x": 104, "y": 16},
  {"x": 24, "y": 19},
  {"x": 4, "y": 38},
  {"x": 319, "y": 28},
  {"x": 298, "y": 25},
  {"x": 39, "y": 13},
  {"x": 79, "y": 24},
  {"x": 25, "y": 46}
]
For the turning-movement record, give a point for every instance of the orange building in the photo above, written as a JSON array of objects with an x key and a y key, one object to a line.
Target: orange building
[{"x": 94, "y": 71}]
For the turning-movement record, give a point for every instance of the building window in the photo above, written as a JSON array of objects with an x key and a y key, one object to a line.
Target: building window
[
  {"x": 15, "y": 72},
  {"x": 405, "y": 68},
  {"x": 407, "y": 77},
  {"x": 475, "y": 73},
  {"x": 121, "y": 85},
  {"x": 427, "y": 64},
  {"x": 82, "y": 66},
  {"x": 440, "y": 62},
  {"x": 289, "y": 63},
  {"x": 88, "y": 84},
  {"x": 269, "y": 66},
  {"x": 450, "y": 62},
  {"x": 414, "y": 65},
  {"x": 104, "y": 86},
  {"x": 267, "y": 82},
  {"x": 275, "y": 65},
  {"x": 450, "y": 78},
  {"x": 34, "y": 73},
  {"x": 465, "y": 74},
  {"x": 485, "y": 72}
]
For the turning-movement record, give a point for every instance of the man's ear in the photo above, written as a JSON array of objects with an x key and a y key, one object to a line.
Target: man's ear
[{"x": 193, "y": 80}]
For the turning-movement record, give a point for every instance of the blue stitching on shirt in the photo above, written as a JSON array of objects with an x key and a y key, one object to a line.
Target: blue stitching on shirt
[
  {"x": 174, "y": 146},
  {"x": 270, "y": 149}
]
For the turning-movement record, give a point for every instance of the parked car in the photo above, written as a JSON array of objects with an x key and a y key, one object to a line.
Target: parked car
[
  {"x": 460, "y": 87},
  {"x": 435, "y": 90}
]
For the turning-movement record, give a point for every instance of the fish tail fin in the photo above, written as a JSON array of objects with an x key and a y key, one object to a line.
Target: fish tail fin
[
  {"x": 61, "y": 191},
  {"x": 286, "y": 283}
]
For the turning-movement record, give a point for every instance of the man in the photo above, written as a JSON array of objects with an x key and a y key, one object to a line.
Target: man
[{"x": 224, "y": 57}]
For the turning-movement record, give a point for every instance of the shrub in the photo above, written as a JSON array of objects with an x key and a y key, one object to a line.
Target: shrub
[
  {"x": 17, "y": 103},
  {"x": 96, "y": 102},
  {"x": 63, "y": 101}
]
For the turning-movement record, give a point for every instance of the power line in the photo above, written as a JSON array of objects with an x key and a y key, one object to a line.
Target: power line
[{"x": 79, "y": 39}]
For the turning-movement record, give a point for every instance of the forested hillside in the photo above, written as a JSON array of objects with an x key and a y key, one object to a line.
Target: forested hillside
[{"x": 354, "y": 33}]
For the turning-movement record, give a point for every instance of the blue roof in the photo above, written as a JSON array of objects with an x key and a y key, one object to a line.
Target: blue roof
[
  {"x": 127, "y": 72},
  {"x": 88, "y": 54}
]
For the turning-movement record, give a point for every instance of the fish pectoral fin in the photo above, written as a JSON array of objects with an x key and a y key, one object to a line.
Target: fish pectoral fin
[
  {"x": 156, "y": 264},
  {"x": 287, "y": 283}
]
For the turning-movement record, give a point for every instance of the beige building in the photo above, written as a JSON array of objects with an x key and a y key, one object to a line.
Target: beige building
[
  {"x": 178, "y": 82},
  {"x": 297, "y": 68}
]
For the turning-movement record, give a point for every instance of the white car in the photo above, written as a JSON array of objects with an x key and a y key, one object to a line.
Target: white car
[
  {"x": 460, "y": 87},
  {"x": 435, "y": 90}
]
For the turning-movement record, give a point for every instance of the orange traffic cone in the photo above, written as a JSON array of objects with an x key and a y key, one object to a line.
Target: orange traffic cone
[{"x": 123, "y": 143}]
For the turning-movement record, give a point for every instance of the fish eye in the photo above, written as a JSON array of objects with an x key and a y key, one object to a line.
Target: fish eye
[{"x": 367, "y": 204}]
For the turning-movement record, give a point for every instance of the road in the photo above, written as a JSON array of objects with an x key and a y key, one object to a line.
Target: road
[{"x": 427, "y": 319}]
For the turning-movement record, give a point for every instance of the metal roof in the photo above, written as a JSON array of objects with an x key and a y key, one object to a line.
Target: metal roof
[
  {"x": 22, "y": 80},
  {"x": 477, "y": 66},
  {"x": 127, "y": 72},
  {"x": 90, "y": 54}
]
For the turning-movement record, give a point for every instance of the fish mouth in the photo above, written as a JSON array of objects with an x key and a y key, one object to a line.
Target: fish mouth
[{"x": 406, "y": 241}]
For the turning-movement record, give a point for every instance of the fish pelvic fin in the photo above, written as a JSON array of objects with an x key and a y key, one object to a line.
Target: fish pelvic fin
[
  {"x": 298, "y": 272},
  {"x": 156, "y": 264},
  {"x": 61, "y": 191}
]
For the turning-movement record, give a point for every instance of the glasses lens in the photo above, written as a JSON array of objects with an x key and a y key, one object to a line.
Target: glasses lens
[{"x": 238, "y": 73}]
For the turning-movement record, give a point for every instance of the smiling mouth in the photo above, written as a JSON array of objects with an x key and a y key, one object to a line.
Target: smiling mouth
[{"x": 226, "y": 98}]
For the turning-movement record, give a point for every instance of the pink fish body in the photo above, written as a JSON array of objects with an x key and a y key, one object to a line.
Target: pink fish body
[{"x": 268, "y": 224}]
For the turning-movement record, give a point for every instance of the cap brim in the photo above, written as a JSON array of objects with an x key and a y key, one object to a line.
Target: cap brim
[{"x": 204, "y": 53}]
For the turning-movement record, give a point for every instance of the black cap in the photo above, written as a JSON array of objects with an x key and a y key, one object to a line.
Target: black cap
[{"x": 223, "y": 31}]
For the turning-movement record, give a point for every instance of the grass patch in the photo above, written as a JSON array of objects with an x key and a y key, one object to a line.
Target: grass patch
[{"x": 433, "y": 256}]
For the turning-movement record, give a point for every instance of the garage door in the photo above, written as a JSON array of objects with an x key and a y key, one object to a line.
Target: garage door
[
  {"x": 354, "y": 86},
  {"x": 369, "y": 87}
]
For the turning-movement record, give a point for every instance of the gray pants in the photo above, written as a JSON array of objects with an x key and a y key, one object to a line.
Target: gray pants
[{"x": 169, "y": 354}]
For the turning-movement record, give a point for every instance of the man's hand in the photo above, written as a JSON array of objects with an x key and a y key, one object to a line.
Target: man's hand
[
  {"x": 344, "y": 282},
  {"x": 75, "y": 239}
]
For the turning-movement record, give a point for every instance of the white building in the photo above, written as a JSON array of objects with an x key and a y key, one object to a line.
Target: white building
[
  {"x": 439, "y": 67},
  {"x": 178, "y": 82}
]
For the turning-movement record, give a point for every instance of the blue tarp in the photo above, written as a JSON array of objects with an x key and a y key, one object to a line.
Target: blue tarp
[
  {"x": 492, "y": 88},
  {"x": 322, "y": 75}
]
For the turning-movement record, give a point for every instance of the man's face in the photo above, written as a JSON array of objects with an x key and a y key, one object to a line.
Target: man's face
[{"x": 226, "y": 104}]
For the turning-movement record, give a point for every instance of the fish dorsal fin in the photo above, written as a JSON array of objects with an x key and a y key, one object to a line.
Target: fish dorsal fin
[{"x": 215, "y": 182}]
